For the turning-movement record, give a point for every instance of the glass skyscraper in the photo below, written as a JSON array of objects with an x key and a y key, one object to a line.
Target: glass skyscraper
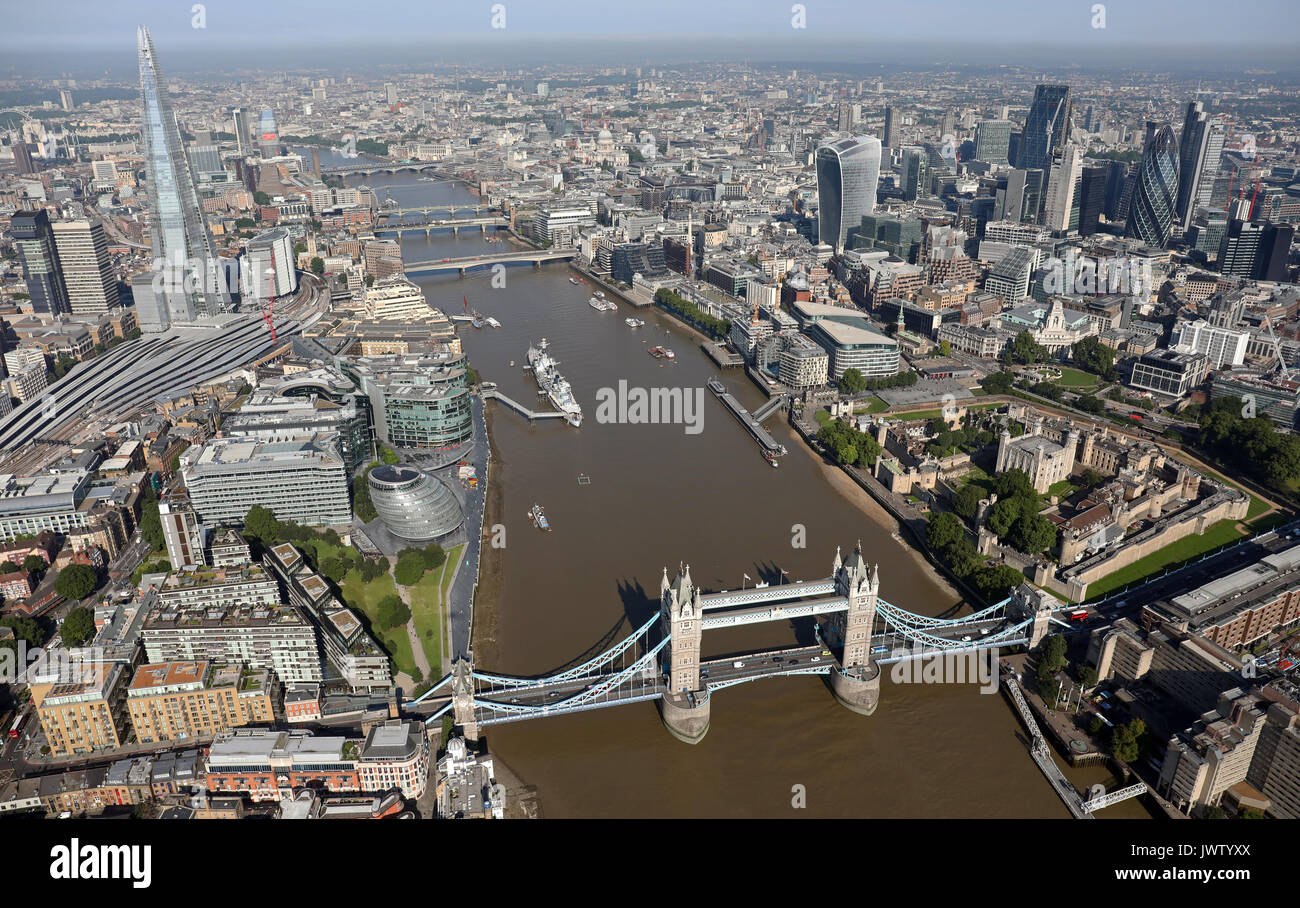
[
  {"x": 847, "y": 173},
  {"x": 177, "y": 230},
  {"x": 1155, "y": 195},
  {"x": 34, "y": 238},
  {"x": 1046, "y": 128},
  {"x": 1200, "y": 149}
]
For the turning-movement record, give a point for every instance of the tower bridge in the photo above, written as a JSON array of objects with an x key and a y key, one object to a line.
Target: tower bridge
[{"x": 661, "y": 660}]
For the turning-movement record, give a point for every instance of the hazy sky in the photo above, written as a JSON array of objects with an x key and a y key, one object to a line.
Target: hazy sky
[{"x": 281, "y": 33}]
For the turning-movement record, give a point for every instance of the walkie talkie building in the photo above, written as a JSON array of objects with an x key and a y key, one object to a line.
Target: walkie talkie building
[
  {"x": 194, "y": 284},
  {"x": 847, "y": 173}
]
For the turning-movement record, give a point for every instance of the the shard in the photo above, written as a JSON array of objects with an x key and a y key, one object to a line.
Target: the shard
[{"x": 193, "y": 283}]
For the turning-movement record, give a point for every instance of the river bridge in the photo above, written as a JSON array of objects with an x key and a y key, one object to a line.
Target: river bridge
[
  {"x": 856, "y": 633},
  {"x": 536, "y": 257},
  {"x": 453, "y": 224},
  {"x": 367, "y": 168}
]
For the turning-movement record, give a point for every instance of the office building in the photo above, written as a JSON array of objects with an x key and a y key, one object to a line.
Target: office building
[
  {"x": 268, "y": 135},
  {"x": 992, "y": 141},
  {"x": 87, "y": 270},
  {"x": 178, "y": 232},
  {"x": 302, "y": 481},
  {"x": 1272, "y": 258},
  {"x": 269, "y": 264},
  {"x": 1092, "y": 197},
  {"x": 412, "y": 504},
  {"x": 847, "y": 173},
  {"x": 1168, "y": 372},
  {"x": 914, "y": 173},
  {"x": 849, "y": 339},
  {"x": 34, "y": 237},
  {"x": 1222, "y": 346},
  {"x": 1046, "y": 127},
  {"x": 893, "y": 122},
  {"x": 1155, "y": 195},
  {"x": 1062, "y": 190},
  {"x": 1239, "y": 247},
  {"x": 417, "y": 401},
  {"x": 1200, "y": 148},
  {"x": 243, "y": 131}
]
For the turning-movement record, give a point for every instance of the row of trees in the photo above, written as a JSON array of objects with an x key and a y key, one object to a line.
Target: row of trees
[
  {"x": 716, "y": 328},
  {"x": 848, "y": 445},
  {"x": 853, "y": 381},
  {"x": 947, "y": 539}
]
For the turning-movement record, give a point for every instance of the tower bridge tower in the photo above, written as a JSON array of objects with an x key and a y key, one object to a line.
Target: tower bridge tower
[
  {"x": 686, "y": 704},
  {"x": 856, "y": 680}
]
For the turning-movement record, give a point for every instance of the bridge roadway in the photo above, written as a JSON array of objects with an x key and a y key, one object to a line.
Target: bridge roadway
[
  {"x": 535, "y": 256},
  {"x": 400, "y": 226}
]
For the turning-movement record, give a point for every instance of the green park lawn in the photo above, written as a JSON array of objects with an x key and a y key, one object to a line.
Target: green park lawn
[
  {"x": 428, "y": 600},
  {"x": 874, "y": 405},
  {"x": 1188, "y": 547},
  {"x": 364, "y": 597},
  {"x": 1074, "y": 378}
]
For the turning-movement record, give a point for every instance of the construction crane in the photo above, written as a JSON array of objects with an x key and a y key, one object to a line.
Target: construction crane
[{"x": 1277, "y": 348}]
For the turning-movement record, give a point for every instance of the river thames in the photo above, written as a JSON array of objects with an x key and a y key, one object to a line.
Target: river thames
[{"x": 660, "y": 496}]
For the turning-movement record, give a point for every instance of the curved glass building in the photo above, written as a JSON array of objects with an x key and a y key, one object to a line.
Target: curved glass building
[
  {"x": 847, "y": 173},
  {"x": 1155, "y": 194},
  {"x": 412, "y": 504}
]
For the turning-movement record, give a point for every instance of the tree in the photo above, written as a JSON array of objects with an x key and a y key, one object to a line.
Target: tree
[
  {"x": 1094, "y": 356},
  {"x": 76, "y": 582},
  {"x": 333, "y": 569},
  {"x": 78, "y": 627},
  {"x": 1086, "y": 675},
  {"x": 410, "y": 567},
  {"x": 8, "y": 567},
  {"x": 1129, "y": 740},
  {"x": 945, "y": 348},
  {"x": 943, "y": 531},
  {"x": 997, "y": 581},
  {"x": 261, "y": 198},
  {"x": 846, "y": 452},
  {"x": 998, "y": 382},
  {"x": 261, "y": 524},
  {"x": 1014, "y": 484},
  {"x": 1024, "y": 349},
  {"x": 852, "y": 381},
  {"x": 967, "y": 500},
  {"x": 1032, "y": 534},
  {"x": 1053, "y": 652},
  {"x": 1003, "y": 516},
  {"x": 392, "y": 612},
  {"x": 361, "y": 502},
  {"x": 25, "y": 628},
  {"x": 434, "y": 556},
  {"x": 317, "y": 265}
]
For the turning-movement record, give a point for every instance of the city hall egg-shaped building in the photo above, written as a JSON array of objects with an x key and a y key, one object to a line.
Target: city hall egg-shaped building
[{"x": 412, "y": 504}]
